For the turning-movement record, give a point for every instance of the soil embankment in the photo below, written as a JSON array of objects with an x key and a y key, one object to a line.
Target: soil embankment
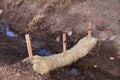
[{"x": 45, "y": 21}]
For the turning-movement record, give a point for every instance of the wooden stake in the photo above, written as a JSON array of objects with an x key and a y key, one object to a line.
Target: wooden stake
[
  {"x": 29, "y": 48},
  {"x": 64, "y": 44},
  {"x": 89, "y": 30}
]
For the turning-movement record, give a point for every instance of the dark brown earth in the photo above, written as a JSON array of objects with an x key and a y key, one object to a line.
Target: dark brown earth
[{"x": 45, "y": 21}]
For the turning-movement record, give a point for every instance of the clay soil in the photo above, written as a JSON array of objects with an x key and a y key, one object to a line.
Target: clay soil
[{"x": 45, "y": 21}]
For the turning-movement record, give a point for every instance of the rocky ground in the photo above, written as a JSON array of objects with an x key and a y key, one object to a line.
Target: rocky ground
[{"x": 45, "y": 21}]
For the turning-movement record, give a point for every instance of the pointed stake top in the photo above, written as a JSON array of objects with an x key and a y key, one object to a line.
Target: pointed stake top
[{"x": 89, "y": 30}]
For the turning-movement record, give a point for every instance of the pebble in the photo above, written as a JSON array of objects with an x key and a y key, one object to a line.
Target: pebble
[
  {"x": 113, "y": 37},
  {"x": 1, "y": 11},
  {"x": 111, "y": 58},
  {"x": 58, "y": 39},
  {"x": 95, "y": 66},
  {"x": 69, "y": 33}
]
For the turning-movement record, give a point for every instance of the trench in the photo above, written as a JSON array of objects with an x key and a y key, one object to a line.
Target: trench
[{"x": 82, "y": 67}]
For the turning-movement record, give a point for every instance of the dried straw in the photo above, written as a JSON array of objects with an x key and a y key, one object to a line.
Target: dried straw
[{"x": 46, "y": 64}]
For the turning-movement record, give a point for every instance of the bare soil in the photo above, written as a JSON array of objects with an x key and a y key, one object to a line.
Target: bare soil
[{"x": 45, "y": 21}]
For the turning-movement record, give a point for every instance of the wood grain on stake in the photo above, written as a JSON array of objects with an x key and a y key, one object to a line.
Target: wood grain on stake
[
  {"x": 29, "y": 48},
  {"x": 89, "y": 30},
  {"x": 64, "y": 44}
]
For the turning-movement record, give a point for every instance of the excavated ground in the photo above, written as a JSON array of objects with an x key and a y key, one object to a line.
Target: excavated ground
[{"x": 45, "y": 21}]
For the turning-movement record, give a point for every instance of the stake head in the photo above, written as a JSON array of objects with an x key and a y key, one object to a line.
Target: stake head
[{"x": 89, "y": 30}]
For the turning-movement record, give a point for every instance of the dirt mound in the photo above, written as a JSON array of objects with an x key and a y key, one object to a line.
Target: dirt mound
[{"x": 46, "y": 20}]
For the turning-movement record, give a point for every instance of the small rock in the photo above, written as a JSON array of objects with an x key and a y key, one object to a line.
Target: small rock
[
  {"x": 1, "y": 11},
  {"x": 95, "y": 66},
  {"x": 111, "y": 58},
  {"x": 58, "y": 39},
  {"x": 69, "y": 33},
  {"x": 113, "y": 37}
]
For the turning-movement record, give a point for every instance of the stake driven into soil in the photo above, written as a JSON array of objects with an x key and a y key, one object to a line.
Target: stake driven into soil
[
  {"x": 46, "y": 64},
  {"x": 89, "y": 30},
  {"x": 64, "y": 44},
  {"x": 29, "y": 46}
]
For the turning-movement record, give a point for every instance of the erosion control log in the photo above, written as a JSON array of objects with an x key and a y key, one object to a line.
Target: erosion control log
[{"x": 46, "y": 64}]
